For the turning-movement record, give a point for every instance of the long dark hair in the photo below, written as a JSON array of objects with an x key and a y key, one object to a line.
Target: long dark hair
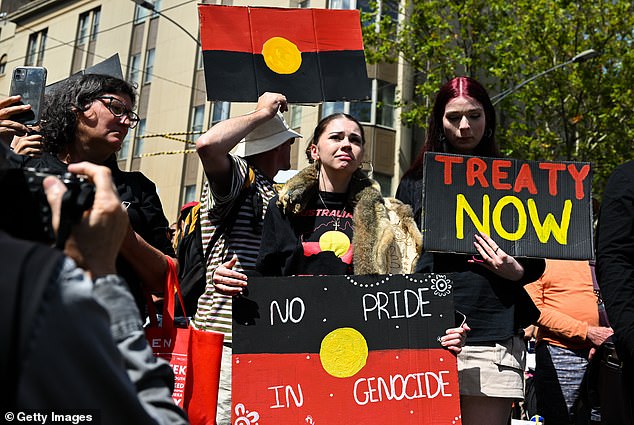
[
  {"x": 321, "y": 127},
  {"x": 435, "y": 138},
  {"x": 59, "y": 113}
]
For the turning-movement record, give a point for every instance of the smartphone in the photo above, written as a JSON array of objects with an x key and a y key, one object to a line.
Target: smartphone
[{"x": 29, "y": 82}]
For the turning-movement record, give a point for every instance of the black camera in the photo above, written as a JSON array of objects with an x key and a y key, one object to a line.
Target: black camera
[
  {"x": 25, "y": 213},
  {"x": 79, "y": 197}
]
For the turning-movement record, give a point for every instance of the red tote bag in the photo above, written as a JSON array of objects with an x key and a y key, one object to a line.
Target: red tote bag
[{"x": 194, "y": 356}]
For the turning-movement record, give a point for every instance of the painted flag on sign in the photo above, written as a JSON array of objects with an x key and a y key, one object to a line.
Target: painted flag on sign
[
  {"x": 309, "y": 55},
  {"x": 341, "y": 350}
]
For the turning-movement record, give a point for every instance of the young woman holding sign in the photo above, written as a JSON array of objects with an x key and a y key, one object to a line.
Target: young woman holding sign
[
  {"x": 487, "y": 288},
  {"x": 330, "y": 219}
]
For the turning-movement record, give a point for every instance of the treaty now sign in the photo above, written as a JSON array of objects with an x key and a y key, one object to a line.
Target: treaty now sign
[{"x": 530, "y": 208}]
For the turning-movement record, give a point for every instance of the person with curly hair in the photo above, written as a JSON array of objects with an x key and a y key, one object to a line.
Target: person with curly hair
[{"x": 86, "y": 118}]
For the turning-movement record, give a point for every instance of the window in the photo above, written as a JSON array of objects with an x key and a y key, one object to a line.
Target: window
[
  {"x": 220, "y": 112},
  {"x": 134, "y": 63},
  {"x": 385, "y": 103},
  {"x": 149, "y": 66},
  {"x": 296, "y": 116},
  {"x": 190, "y": 193},
  {"x": 3, "y": 64},
  {"x": 303, "y": 4},
  {"x": 138, "y": 143},
  {"x": 35, "y": 48},
  {"x": 140, "y": 13},
  {"x": 196, "y": 126},
  {"x": 379, "y": 111},
  {"x": 125, "y": 146},
  {"x": 82, "y": 29},
  {"x": 361, "y": 110},
  {"x": 340, "y": 4},
  {"x": 384, "y": 181},
  {"x": 85, "y": 40},
  {"x": 95, "y": 24},
  {"x": 329, "y": 108},
  {"x": 157, "y": 8},
  {"x": 199, "y": 59}
]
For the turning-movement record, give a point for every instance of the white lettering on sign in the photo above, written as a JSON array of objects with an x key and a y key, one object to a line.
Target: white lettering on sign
[
  {"x": 397, "y": 387},
  {"x": 401, "y": 304},
  {"x": 179, "y": 369},
  {"x": 288, "y": 393},
  {"x": 294, "y": 310},
  {"x": 160, "y": 342}
]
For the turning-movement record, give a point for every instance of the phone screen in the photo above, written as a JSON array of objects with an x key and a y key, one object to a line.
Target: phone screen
[{"x": 29, "y": 82}]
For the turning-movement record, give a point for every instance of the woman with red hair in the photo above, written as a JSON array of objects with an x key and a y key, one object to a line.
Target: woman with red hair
[{"x": 488, "y": 288}]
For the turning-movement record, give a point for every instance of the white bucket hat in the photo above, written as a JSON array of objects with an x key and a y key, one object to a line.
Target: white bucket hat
[{"x": 266, "y": 137}]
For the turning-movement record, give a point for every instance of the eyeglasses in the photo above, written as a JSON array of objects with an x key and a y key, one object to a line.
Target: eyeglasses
[{"x": 118, "y": 109}]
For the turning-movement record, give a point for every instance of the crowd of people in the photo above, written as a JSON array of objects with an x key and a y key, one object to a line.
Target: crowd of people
[{"x": 94, "y": 293}]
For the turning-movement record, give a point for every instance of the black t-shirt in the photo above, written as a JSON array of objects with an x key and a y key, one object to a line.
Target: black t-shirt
[
  {"x": 139, "y": 197},
  {"x": 316, "y": 241}
]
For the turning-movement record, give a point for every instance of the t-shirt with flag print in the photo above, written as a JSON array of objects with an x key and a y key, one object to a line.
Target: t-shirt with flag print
[{"x": 316, "y": 241}]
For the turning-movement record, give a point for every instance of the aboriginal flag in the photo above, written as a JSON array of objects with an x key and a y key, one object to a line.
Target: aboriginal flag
[
  {"x": 309, "y": 55},
  {"x": 344, "y": 350}
]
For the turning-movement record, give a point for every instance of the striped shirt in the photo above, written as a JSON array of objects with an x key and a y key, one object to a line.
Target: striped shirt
[{"x": 243, "y": 239}]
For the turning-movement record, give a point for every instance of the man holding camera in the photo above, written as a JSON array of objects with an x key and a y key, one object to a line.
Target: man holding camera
[{"x": 72, "y": 337}]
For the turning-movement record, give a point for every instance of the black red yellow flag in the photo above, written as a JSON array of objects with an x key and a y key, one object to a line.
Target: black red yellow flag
[
  {"x": 344, "y": 350},
  {"x": 309, "y": 55}
]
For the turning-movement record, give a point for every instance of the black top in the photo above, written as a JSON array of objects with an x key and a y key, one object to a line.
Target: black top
[
  {"x": 615, "y": 256},
  {"x": 496, "y": 308},
  {"x": 27, "y": 269},
  {"x": 317, "y": 241},
  {"x": 138, "y": 195}
]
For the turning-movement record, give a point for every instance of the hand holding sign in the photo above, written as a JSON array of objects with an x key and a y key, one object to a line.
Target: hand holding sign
[
  {"x": 455, "y": 338},
  {"x": 228, "y": 281},
  {"x": 496, "y": 260},
  {"x": 272, "y": 102}
]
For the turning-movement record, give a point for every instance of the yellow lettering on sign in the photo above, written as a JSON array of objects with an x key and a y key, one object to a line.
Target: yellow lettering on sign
[
  {"x": 462, "y": 206},
  {"x": 550, "y": 225},
  {"x": 522, "y": 220},
  {"x": 543, "y": 230}
]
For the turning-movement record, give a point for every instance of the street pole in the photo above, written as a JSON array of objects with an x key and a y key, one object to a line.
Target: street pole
[
  {"x": 581, "y": 57},
  {"x": 149, "y": 6}
]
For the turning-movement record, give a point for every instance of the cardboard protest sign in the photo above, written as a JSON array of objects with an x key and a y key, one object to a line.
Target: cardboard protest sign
[
  {"x": 530, "y": 208},
  {"x": 344, "y": 350},
  {"x": 309, "y": 55},
  {"x": 110, "y": 66}
]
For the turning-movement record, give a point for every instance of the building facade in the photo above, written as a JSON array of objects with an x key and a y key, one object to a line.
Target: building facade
[{"x": 159, "y": 55}]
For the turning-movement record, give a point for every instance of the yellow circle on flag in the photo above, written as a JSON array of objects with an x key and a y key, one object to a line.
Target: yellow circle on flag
[
  {"x": 343, "y": 352},
  {"x": 337, "y": 242},
  {"x": 281, "y": 55}
]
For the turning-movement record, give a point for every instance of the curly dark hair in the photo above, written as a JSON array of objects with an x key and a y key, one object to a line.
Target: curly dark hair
[{"x": 59, "y": 113}]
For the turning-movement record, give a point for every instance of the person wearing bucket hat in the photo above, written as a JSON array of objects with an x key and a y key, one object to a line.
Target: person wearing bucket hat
[{"x": 240, "y": 157}]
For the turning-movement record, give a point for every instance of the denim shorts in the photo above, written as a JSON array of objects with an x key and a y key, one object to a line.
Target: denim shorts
[{"x": 493, "y": 370}]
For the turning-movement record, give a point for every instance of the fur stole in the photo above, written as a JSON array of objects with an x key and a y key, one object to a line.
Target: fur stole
[{"x": 386, "y": 238}]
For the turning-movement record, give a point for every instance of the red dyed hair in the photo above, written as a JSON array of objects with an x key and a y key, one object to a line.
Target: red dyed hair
[{"x": 435, "y": 137}]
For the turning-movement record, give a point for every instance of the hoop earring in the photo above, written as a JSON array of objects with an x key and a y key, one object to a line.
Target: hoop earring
[{"x": 488, "y": 133}]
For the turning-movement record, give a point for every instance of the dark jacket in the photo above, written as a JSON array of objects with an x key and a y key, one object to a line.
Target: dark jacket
[{"x": 615, "y": 256}]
